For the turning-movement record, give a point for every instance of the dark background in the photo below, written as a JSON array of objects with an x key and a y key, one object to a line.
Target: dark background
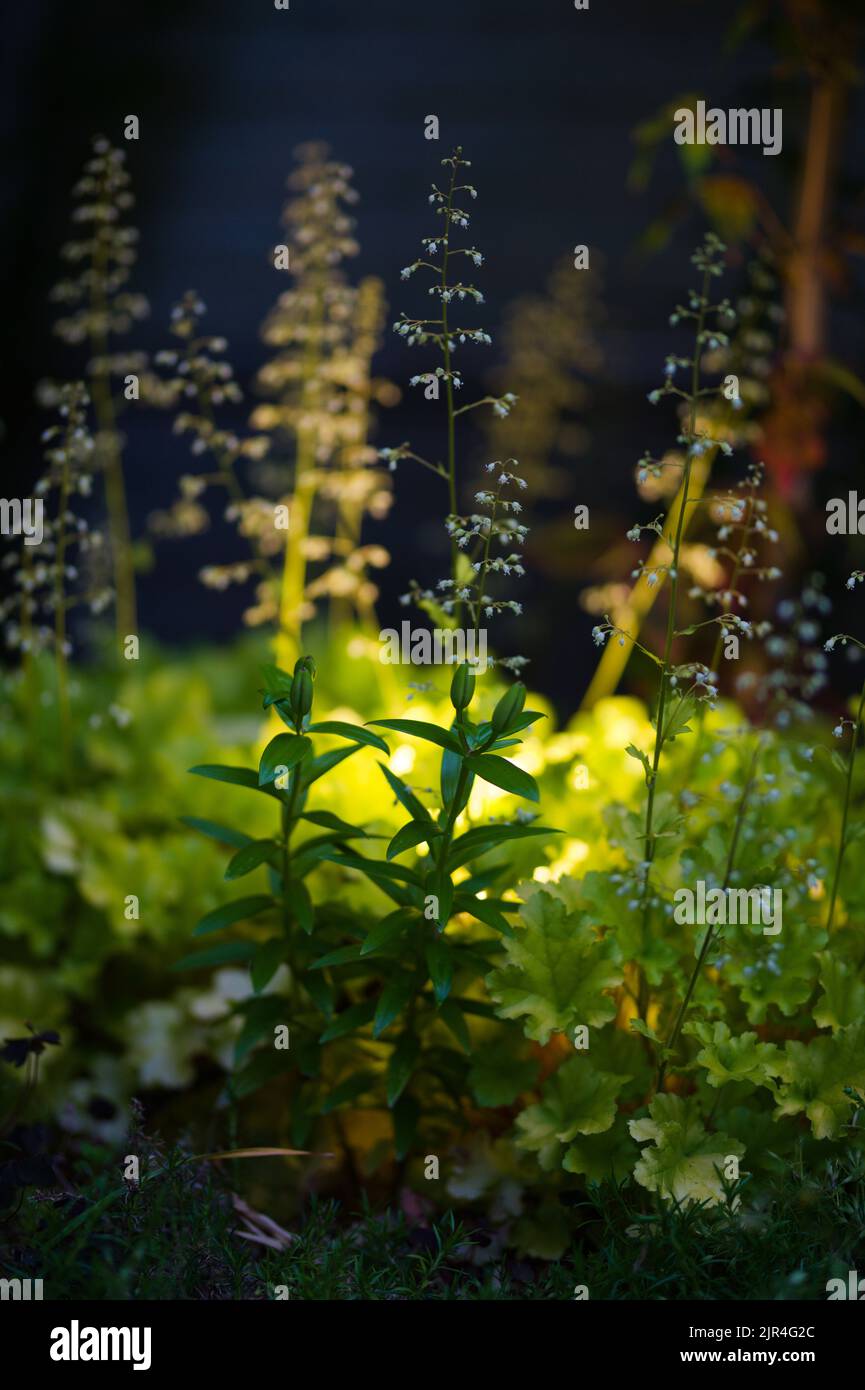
[{"x": 543, "y": 99}]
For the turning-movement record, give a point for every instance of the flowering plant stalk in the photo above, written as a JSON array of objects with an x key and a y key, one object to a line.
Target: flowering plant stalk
[
  {"x": 441, "y": 260},
  {"x": 101, "y": 308},
  {"x": 674, "y": 705}
]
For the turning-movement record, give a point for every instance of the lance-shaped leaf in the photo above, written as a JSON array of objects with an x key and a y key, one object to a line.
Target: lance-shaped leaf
[
  {"x": 250, "y": 857},
  {"x": 484, "y": 837},
  {"x": 228, "y": 953},
  {"x": 328, "y": 821},
  {"x": 356, "y": 1016},
  {"x": 392, "y": 1001},
  {"x": 414, "y": 833},
  {"x": 277, "y": 685},
  {"x": 576, "y": 1099},
  {"x": 223, "y": 834},
  {"x": 403, "y": 1061},
  {"x": 503, "y": 774},
  {"x": 236, "y": 776},
  {"x": 557, "y": 971},
  {"x": 386, "y": 932},
  {"x": 240, "y": 910},
  {"x": 449, "y": 776},
  {"x": 440, "y": 964},
  {"x": 356, "y": 732},
  {"x": 298, "y": 899},
  {"x": 419, "y": 728},
  {"x": 485, "y": 911},
  {"x": 404, "y": 796},
  {"x": 283, "y": 753},
  {"x": 268, "y": 958},
  {"x": 313, "y": 768},
  {"x": 683, "y": 1161}
]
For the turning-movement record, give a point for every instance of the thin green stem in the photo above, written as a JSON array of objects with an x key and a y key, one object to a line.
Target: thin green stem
[
  {"x": 649, "y": 835},
  {"x": 710, "y": 931}
]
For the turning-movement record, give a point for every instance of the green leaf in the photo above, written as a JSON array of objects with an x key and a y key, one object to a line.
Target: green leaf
[
  {"x": 343, "y": 955},
  {"x": 528, "y": 716},
  {"x": 393, "y": 999},
  {"x": 239, "y": 910},
  {"x": 726, "y": 1058},
  {"x": 313, "y": 768},
  {"x": 283, "y": 753},
  {"x": 357, "y": 1016},
  {"x": 682, "y": 1158},
  {"x": 237, "y": 776},
  {"x": 254, "y": 854},
  {"x": 439, "y": 885},
  {"x": 484, "y": 837},
  {"x": 298, "y": 899},
  {"x": 266, "y": 961},
  {"x": 277, "y": 683},
  {"x": 349, "y": 1090},
  {"x": 603, "y": 1157},
  {"x": 262, "y": 1016},
  {"x": 576, "y": 1099},
  {"x": 504, "y": 774},
  {"x": 227, "y": 953},
  {"x": 405, "y": 797},
  {"x": 265, "y": 1066},
  {"x": 816, "y": 1075},
  {"x": 638, "y": 1025},
  {"x": 413, "y": 833},
  {"x": 375, "y": 868},
  {"x": 328, "y": 821},
  {"x": 451, "y": 767},
  {"x": 356, "y": 732},
  {"x": 419, "y": 728},
  {"x": 452, "y": 1015},
  {"x": 843, "y": 999},
  {"x": 498, "y": 1076},
  {"x": 677, "y": 722},
  {"x": 641, "y": 757},
  {"x": 385, "y": 932},
  {"x": 223, "y": 834},
  {"x": 402, "y": 1063},
  {"x": 557, "y": 971},
  {"x": 440, "y": 964},
  {"x": 484, "y": 911}
]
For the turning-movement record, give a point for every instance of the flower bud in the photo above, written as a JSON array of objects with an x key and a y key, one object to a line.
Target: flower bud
[
  {"x": 462, "y": 687},
  {"x": 508, "y": 707},
  {"x": 301, "y": 690}
]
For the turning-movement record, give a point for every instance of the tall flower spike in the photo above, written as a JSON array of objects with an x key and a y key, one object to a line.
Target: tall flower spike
[
  {"x": 449, "y": 266},
  {"x": 203, "y": 381},
  {"x": 309, "y": 402},
  {"x": 101, "y": 307},
  {"x": 64, "y": 569}
]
